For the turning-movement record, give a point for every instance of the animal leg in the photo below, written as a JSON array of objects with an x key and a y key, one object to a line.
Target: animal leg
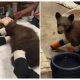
[
  {"x": 4, "y": 40},
  {"x": 21, "y": 67}
]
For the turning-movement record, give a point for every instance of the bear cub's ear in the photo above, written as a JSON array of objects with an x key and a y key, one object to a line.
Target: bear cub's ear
[
  {"x": 71, "y": 17},
  {"x": 57, "y": 15}
]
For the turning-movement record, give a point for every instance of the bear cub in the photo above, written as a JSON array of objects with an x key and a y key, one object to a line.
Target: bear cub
[{"x": 70, "y": 27}]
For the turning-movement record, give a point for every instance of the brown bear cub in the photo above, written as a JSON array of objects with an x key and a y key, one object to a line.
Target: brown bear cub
[
  {"x": 24, "y": 38},
  {"x": 70, "y": 27}
]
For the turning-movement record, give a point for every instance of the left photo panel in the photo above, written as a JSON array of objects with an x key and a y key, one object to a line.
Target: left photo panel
[{"x": 19, "y": 39}]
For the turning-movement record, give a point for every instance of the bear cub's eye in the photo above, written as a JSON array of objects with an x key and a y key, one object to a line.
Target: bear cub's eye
[
  {"x": 58, "y": 24},
  {"x": 64, "y": 25}
]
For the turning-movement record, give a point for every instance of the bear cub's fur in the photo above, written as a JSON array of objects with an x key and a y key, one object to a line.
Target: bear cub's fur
[
  {"x": 24, "y": 38},
  {"x": 70, "y": 27}
]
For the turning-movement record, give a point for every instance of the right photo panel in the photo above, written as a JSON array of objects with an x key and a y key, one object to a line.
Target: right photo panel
[{"x": 60, "y": 39}]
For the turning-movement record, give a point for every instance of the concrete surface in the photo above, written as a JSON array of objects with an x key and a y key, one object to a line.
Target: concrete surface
[
  {"x": 49, "y": 33},
  {"x": 48, "y": 25}
]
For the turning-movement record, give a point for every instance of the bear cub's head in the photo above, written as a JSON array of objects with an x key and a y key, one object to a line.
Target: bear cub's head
[{"x": 64, "y": 24}]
